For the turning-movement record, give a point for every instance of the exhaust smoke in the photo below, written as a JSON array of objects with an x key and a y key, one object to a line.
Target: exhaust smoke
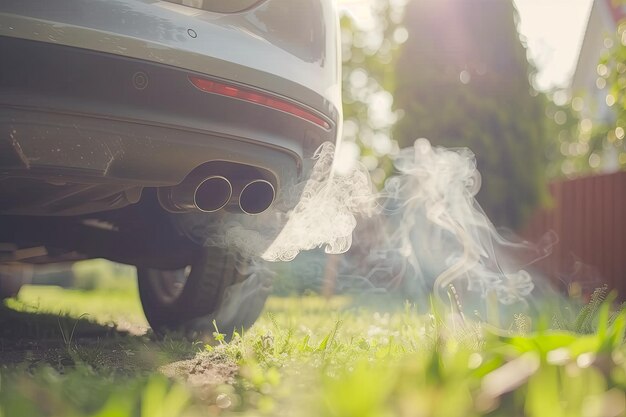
[
  {"x": 434, "y": 221},
  {"x": 423, "y": 234}
]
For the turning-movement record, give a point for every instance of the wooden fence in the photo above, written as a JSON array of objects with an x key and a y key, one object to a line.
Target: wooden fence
[{"x": 589, "y": 216}]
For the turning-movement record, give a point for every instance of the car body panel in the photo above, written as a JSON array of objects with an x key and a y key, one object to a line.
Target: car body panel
[
  {"x": 267, "y": 46},
  {"x": 80, "y": 134},
  {"x": 99, "y": 117}
]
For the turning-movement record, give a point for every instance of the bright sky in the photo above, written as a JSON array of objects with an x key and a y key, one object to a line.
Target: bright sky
[{"x": 554, "y": 31}]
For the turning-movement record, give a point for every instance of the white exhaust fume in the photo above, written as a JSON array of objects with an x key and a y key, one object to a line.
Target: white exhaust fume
[{"x": 423, "y": 233}]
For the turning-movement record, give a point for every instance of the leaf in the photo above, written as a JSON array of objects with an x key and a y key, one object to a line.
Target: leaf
[
  {"x": 324, "y": 343},
  {"x": 152, "y": 396},
  {"x": 543, "y": 394}
]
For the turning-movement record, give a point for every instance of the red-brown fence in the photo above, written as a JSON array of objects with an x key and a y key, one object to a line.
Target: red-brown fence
[{"x": 589, "y": 216}]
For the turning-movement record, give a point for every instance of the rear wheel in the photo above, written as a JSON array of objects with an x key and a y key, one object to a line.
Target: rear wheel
[{"x": 216, "y": 286}]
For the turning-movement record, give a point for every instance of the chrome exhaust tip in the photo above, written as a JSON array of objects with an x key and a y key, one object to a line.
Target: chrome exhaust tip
[
  {"x": 207, "y": 194},
  {"x": 256, "y": 197},
  {"x": 213, "y": 194}
]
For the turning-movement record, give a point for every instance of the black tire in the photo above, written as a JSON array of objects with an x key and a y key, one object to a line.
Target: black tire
[{"x": 216, "y": 286}]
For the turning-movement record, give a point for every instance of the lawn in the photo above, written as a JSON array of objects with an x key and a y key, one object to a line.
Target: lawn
[{"x": 61, "y": 355}]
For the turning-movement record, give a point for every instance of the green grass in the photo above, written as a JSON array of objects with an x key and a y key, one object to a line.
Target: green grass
[
  {"x": 102, "y": 306},
  {"x": 315, "y": 357}
]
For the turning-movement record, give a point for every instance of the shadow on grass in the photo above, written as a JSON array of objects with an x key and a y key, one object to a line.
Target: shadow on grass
[
  {"x": 31, "y": 339},
  {"x": 62, "y": 365}
]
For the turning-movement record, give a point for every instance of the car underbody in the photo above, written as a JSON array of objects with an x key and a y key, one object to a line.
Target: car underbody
[
  {"x": 117, "y": 119},
  {"x": 75, "y": 179}
]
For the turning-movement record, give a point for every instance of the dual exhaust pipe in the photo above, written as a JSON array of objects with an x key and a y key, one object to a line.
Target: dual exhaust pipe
[{"x": 215, "y": 192}]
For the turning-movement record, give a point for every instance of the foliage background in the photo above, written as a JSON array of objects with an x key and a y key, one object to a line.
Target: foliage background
[{"x": 420, "y": 70}]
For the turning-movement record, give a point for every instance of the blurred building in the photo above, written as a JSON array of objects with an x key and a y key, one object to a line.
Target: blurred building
[
  {"x": 587, "y": 83},
  {"x": 587, "y": 212}
]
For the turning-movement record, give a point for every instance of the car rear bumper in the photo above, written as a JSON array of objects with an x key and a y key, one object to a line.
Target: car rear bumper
[
  {"x": 78, "y": 128},
  {"x": 290, "y": 48}
]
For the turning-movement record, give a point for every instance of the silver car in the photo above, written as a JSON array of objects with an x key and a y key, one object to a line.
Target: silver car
[{"x": 115, "y": 115}]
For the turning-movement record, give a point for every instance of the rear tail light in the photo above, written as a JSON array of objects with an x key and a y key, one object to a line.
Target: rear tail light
[{"x": 255, "y": 97}]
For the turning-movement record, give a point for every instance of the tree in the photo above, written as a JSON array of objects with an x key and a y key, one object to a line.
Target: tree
[
  {"x": 568, "y": 148},
  {"x": 463, "y": 80},
  {"x": 369, "y": 51},
  {"x": 612, "y": 72},
  {"x": 588, "y": 141}
]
